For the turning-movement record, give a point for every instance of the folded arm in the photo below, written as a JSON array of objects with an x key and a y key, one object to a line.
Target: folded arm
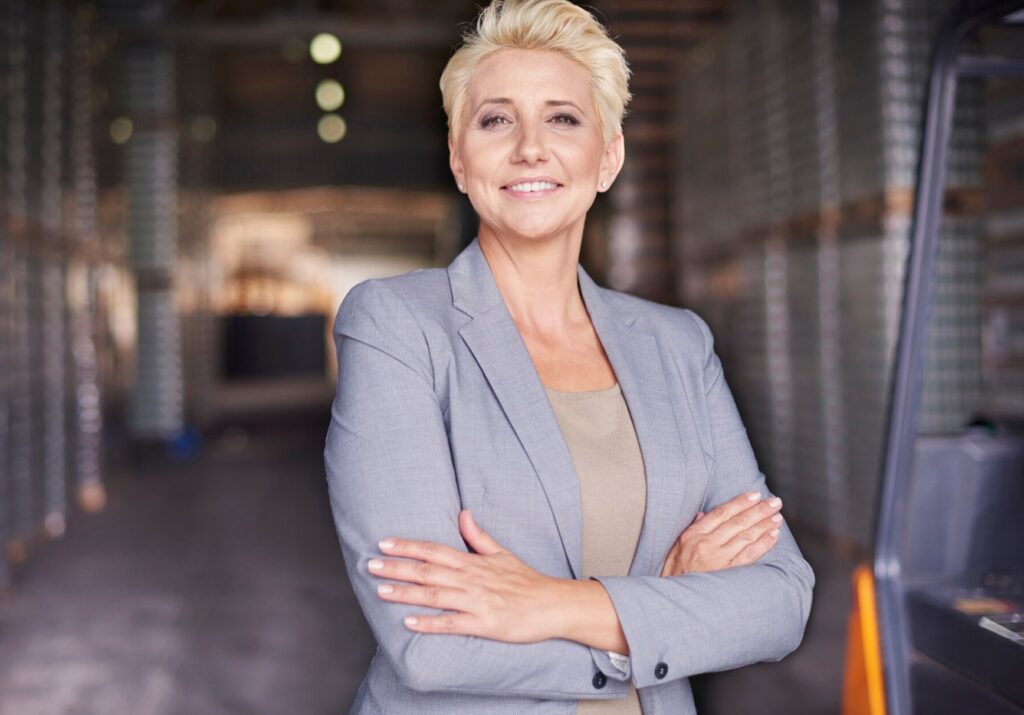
[
  {"x": 693, "y": 623},
  {"x": 390, "y": 473}
]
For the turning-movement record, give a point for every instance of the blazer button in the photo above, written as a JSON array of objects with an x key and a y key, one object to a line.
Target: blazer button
[
  {"x": 600, "y": 679},
  {"x": 660, "y": 670}
]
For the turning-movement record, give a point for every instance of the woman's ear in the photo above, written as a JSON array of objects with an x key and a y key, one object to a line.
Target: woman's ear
[
  {"x": 454, "y": 160},
  {"x": 611, "y": 161}
]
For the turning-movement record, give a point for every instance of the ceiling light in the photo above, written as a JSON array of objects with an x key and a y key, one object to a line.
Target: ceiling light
[
  {"x": 325, "y": 48},
  {"x": 329, "y": 95},
  {"x": 121, "y": 130},
  {"x": 203, "y": 128},
  {"x": 331, "y": 128}
]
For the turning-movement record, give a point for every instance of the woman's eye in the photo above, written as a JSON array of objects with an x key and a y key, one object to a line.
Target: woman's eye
[
  {"x": 566, "y": 119},
  {"x": 489, "y": 120}
]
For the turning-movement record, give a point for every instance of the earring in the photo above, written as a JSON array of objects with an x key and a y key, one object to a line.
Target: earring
[
  {"x": 604, "y": 184},
  {"x": 461, "y": 187}
]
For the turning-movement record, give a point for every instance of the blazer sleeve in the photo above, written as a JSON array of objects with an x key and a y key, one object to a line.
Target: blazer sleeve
[
  {"x": 703, "y": 622},
  {"x": 390, "y": 473}
]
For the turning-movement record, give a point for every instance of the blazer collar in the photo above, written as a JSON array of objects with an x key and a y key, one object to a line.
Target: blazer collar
[{"x": 640, "y": 367}]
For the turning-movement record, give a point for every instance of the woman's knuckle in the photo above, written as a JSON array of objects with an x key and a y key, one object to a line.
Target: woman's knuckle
[{"x": 424, "y": 570}]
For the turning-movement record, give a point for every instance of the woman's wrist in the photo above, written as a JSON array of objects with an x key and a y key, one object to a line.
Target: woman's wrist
[{"x": 581, "y": 610}]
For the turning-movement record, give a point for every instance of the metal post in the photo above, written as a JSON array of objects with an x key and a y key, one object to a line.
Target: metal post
[
  {"x": 88, "y": 416},
  {"x": 6, "y": 255},
  {"x": 20, "y": 374},
  {"x": 150, "y": 176},
  {"x": 53, "y": 344}
]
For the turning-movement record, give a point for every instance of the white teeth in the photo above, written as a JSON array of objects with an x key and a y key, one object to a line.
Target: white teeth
[{"x": 533, "y": 186}]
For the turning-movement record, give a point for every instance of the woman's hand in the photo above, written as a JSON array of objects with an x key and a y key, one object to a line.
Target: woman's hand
[
  {"x": 736, "y": 533},
  {"x": 491, "y": 593}
]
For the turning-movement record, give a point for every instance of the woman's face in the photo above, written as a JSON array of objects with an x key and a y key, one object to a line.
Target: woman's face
[{"x": 530, "y": 150}]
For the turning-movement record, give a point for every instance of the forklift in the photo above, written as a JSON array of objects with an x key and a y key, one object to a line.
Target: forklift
[{"x": 937, "y": 623}]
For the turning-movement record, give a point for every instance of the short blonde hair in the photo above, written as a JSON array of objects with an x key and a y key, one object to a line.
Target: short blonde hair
[{"x": 555, "y": 25}]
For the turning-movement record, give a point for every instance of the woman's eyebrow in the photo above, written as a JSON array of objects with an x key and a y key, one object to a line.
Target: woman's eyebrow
[{"x": 550, "y": 103}]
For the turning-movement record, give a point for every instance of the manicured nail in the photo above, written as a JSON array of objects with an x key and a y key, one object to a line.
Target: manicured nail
[
  {"x": 753, "y": 496},
  {"x": 385, "y": 588},
  {"x": 774, "y": 533},
  {"x": 386, "y": 543},
  {"x": 776, "y": 518},
  {"x": 376, "y": 564},
  {"x": 410, "y": 620},
  {"x": 774, "y": 502}
]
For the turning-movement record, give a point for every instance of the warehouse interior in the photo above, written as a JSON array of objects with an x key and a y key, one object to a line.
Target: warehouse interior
[{"x": 188, "y": 189}]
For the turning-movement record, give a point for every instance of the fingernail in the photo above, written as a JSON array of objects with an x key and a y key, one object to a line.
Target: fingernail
[
  {"x": 774, "y": 533},
  {"x": 410, "y": 620},
  {"x": 753, "y": 496},
  {"x": 376, "y": 564},
  {"x": 776, "y": 518},
  {"x": 774, "y": 502},
  {"x": 386, "y": 543},
  {"x": 385, "y": 588}
]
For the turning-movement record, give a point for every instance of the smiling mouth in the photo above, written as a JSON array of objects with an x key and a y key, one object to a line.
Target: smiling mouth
[{"x": 531, "y": 189}]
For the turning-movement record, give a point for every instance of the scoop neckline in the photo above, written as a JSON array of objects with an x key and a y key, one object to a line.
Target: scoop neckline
[{"x": 584, "y": 393}]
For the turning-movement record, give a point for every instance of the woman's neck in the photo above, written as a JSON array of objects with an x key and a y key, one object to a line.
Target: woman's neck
[{"x": 537, "y": 279}]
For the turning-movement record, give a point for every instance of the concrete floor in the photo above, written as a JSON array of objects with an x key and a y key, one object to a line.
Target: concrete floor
[{"x": 217, "y": 587}]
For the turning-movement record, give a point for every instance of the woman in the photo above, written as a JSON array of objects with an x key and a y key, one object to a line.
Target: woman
[{"x": 516, "y": 454}]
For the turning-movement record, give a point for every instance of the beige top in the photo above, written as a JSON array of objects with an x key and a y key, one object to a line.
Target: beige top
[{"x": 599, "y": 433}]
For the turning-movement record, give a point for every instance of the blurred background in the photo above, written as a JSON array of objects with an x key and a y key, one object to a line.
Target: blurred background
[{"x": 188, "y": 188}]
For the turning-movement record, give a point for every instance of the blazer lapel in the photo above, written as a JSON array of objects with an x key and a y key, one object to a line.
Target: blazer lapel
[
  {"x": 642, "y": 365},
  {"x": 634, "y": 353}
]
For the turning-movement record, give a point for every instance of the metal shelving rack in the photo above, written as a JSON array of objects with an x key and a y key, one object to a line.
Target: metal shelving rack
[
  {"x": 799, "y": 131},
  {"x": 50, "y": 386}
]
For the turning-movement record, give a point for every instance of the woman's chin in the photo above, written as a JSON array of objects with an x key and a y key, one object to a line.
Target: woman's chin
[
  {"x": 538, "y": 235},
  {"x": 532, "y": 230}
]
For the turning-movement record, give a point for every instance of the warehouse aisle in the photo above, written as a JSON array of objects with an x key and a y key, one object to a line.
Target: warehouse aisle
[
  {"x": 217, "y": 587},
  {"x": 206, "y": 588}
]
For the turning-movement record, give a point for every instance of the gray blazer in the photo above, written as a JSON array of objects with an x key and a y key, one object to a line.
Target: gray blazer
[{"x": 439, "y": 407}]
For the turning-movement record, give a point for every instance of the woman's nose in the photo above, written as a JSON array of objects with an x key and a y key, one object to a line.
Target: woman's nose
[{"x": 530, "y": 145}]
